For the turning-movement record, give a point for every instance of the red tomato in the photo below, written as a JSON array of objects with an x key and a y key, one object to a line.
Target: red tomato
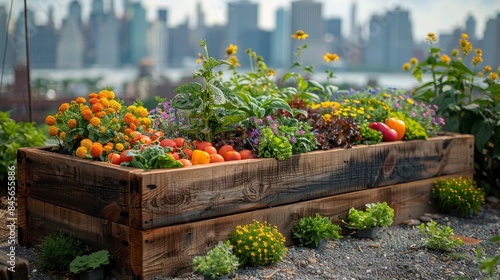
[
  {"x": 179, "y": 141},
  {"x": 168, "y": 143},
  {"x": 114, "y": 158},
  {"x": 124, "y": 157},
  {"x": 202, "y": 144}
]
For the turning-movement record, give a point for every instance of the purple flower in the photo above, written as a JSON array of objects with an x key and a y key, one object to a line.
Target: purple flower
[
  {"x": 164, "y": 115},
  {"x": 269, "y": 118},
  {"x": 293, "y": 140},
  {"x": 441, "y": 121},
  {"x": 413, "y": 114},
  {"x": 424, "y": 114},
  {"x": 302, "y": 132}
]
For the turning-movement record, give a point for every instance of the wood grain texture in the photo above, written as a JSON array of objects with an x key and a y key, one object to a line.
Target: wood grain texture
[{"x": 157, "y": 198}]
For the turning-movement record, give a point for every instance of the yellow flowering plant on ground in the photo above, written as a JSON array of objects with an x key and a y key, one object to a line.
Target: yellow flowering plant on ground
[
  {"x": 95, "y": 127},
  {"x": 258, "y": 244},
  {"x": 460, "y": 194}
]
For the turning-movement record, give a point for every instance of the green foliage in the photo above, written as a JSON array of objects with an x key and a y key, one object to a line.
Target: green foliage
[
  {"x": 488, "y": 263},
  {"x": 274, "y": 145},
  {"x": 89, "y": 262},
  {"x": 218, "y": 261},
  {"x": 57, "y": 250},
  {"x": 153, "y": 157},
  {"x": 469, "y": 100},
  {"x": 369, "y": 136},
  {"x": 459, "y": 194},
  {"x": 315, "y": 229},
  {"x": 258, "y": 244},
  {"x": 438, "y": 237},
  {"x": 214, "y": 106},
  {"x": 14, "y": 135},
  {"x": 378, "y": 214}
]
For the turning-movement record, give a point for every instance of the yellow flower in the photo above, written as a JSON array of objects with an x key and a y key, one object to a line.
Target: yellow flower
[
  {"x": 300, "y": 35},
  {"x": 119, "y": 147},
  {"x": 231, "y": 50},
  {"x": 487, "y": 69},
  {"x": 413, "y": 61},
  {"x": 62, "y": 135},
  {"x": 271, "y": 72},
  {"x": 95, "y": 121},
  {"x": 431, "y": 37},
  {"x": 81, "y": 152},
  {"x": 327, "y": 117},
  {"x": 143, "y": 112},
  {"x": 329, "y": 57},
  {"x": 493, "y": 76},
  {"x": 86, "y": 143},
  {"x": 446, "y": 59},
  {"x": 411, "y": 101},
  {"x": 465, "y": 46},
  {"x": 234, "y": 61},
  {"x": 454, "y": 52},
  {"x": 406, "y": 66}
]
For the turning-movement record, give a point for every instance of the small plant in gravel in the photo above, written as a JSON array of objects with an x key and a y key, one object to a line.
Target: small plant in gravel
[
  {"x": 258, "y": 244},
  {"x": 488, "y": 264},
  {"x": 89, "y": 262},
  {"x": 57, "y": 250},
  {"x": 378, "y": 214},
  {"x": 439, "y": 237},
  {"x": 312, "y": 230},
  {"x": 460, "y": 194},
  {"x": 219, "y": 261}
]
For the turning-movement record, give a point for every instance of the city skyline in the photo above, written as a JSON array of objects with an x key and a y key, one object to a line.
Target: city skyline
[{"x": 441, "y": 16}]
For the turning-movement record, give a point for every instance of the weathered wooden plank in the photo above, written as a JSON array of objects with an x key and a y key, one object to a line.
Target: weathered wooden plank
[
  {"x": 47, "y": 218},
  {"x": 163, "y": 198},
  {"x": 19, "y": 271},
  {"x": 169, "y": 250},
  {"x": 21, "y": 196},
  {"x": 96, "y": 188}
]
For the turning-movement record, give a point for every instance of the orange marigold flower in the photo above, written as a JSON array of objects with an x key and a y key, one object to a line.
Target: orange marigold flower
[
  {"x": 81, "y": 152},
  {"x": 92, "y": 95},
  {"x": 115, "y": 105},
  {"x": 86, "y": 143},
  {"x": 72, "y": 123},
  {"x": 143, "y": 112},
  {"x": 97, "y": 107},
  {"x": 111, "y": 95},
  {"x": 63, "y": 107},
  {"x": 87, "y": 114},
  {"x": 96, "y": 150},
  {"x": 132, "y": 126},
  {"x": 53, "y": 131},
  {"x": 80, "y": 100},
  {"x": 102, "y": 94},
  {"x": 102, "y": 129},
  {"x": 115, "y": 120},
  {"x": 104, "y": 102},
  {"x": 127, "y": 131},
  {"x": 95, "y": 121},
  {"x": 94, "y": 100},
  {"x": 110, "y": 111},
  {"x": 108, "y": 148},
  {"x": 128, "y": 118},
  {"x": 50, "y": 120},
  {"x": 300, "y": 35},
  {"x": 62, "y": 135},
  {"x": 101, "y": 114},
  {"x": 137, "y": 121}
]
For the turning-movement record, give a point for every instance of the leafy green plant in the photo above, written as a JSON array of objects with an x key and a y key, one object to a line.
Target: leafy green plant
[
  {"x": 468, "y": 97},
  {"x": 488, "y": 263},
  {"x": 14, "y": 135},
  {"x": 219, "y": 261},
  {"x": 460, "y": 194},
  {"x": 273, "y": 145},
  {"x": 312, "y": 230},
  {"x": 89, "y": 262},
  {"x": 153, "y": 157},
  {"x": 57, "y": 250},
  {"x": 212, "y": 107},
  {"x": 258, "y": 244},
  {"x": 438, "y": 237},
  {"x": 378, "y": 214}
]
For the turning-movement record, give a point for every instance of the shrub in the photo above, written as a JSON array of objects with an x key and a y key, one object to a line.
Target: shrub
[
  {"x": 57, "y": 250},
  {"x": 258, "y": 244},
  {"x": 311, "y": 230},
  {"x": 375, "y": 215},
  {"x": 219, "y": 261},
  {"x": 439, "y": 237},
  {"x": 459, "y": 194}
]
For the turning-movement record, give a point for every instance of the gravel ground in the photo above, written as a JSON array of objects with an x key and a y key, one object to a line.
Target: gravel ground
[{"x": 396, "y": 254}]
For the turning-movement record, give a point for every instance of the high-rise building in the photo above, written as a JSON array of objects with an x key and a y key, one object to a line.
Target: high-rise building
[
  {"x": 281, "y": 40},
  {"x": 138, "y": 33},
  {"x": 491, "y": 40},
  {"x": 71, "y": 44},
  {"x": 107, "y": 44},
  {"x": 158, "y": 47},
  {"x": 390, "y": 42},
  {"x": 470, "y": 27},
  {"x": 180, "y": 45},
  {"x": 242, "y": 17},
  {"x": 43, "y": 44},
  {"x": 307, "y": 16}
]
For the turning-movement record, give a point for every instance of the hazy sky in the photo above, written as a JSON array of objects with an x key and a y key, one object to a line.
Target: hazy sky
[{"x": 427, "y": 15}]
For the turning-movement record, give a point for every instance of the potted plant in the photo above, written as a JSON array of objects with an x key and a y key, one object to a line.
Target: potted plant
[
  {"x": 366, "y": 223},
  {"x": 315, "y": 231},
  {"x": 218, "y": 263},
  {"x": 90, "y": 266},
  {"x": 458, "y": 196}
]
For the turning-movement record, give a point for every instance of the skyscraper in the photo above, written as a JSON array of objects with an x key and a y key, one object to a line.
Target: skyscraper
[
  {"x": 107, "y": 44},
  {"x": 158, "y": 47},
  {"x": 281, "y": 40},
  {"x": 43, "y": 44},
  {"x": 71, "y": 44},
  {"x": 242, "y": 17},
  {"x": 138, "y": 33},
  {"x": 491, "y": 40},
  {"x": 307, "y": 16}
]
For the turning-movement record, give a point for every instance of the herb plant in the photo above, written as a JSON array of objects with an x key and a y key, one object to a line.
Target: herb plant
[
  {"x": 258, "y": 244},
  {"x": 378, "y": 214},
  {"x": 14, "y": 135},
  {"x": 219, "y": 261},
  {"x": 57, "y": 250},
  {"x": 315, "y": 229},
  {"x": 89, "y": 262},
  {"x": 153, "y": 157},
  {"x": 459, "y": 194},
  {"x": 438, "y": 237}
]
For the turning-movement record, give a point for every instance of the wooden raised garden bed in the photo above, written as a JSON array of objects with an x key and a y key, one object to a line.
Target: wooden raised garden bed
[{"x": 154, "y": 222}]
